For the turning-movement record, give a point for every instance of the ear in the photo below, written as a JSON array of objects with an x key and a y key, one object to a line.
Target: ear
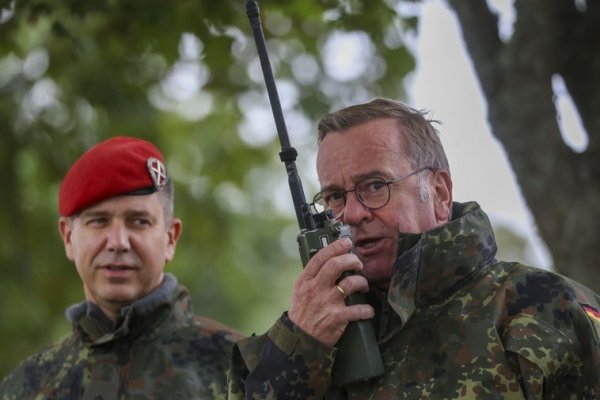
[
  {"x": 173, "y": 234},
  {"x": 65, "y": 228},
  {"x": 442, "y": 195}
]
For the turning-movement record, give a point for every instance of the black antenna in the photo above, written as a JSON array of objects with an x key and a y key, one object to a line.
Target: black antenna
[{"x": 288, "y": 154}]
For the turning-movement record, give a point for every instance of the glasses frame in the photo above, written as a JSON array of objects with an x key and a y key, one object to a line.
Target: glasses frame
[{"x": 317, "y": 199}]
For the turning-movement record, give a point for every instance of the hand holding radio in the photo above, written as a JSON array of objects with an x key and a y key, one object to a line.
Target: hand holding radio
[{"x": 318, "y": 305}]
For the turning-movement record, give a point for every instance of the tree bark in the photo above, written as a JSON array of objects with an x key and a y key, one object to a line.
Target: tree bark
[{"x": 561, "y": 187}]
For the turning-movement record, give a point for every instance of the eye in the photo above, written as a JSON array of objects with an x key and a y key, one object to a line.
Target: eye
[
  {"x": 373, "y": 186},
  {"x": 141, "y": 221},
  {"x": 96, "y": 221},
  {"x": 333, "y": 198}
]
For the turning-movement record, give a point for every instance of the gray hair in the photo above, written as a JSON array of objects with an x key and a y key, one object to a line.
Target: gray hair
[
  {"x": 167, "y": 199},
  {"x": 424, "y": 145}
]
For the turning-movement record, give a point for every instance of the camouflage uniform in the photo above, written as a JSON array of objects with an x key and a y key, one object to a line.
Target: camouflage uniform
[
  {"x": 157, "y": 350},
  {"x": 455, "y": 324}
]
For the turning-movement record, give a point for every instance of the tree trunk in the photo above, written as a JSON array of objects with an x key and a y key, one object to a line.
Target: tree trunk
[{"x": 561, "y": 187}]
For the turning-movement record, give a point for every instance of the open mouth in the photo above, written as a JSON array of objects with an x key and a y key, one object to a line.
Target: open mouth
[
  {"x": 367, "y": 243},
  {"x": 367, "y": 246}
]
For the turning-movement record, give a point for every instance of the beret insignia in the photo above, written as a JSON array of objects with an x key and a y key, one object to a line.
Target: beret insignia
[{"x": 158, "y": 172}]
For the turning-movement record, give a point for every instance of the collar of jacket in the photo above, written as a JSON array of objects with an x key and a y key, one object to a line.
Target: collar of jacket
[
  {"x": 96, "y": 328},
  {"x": 435, "y": 264}
]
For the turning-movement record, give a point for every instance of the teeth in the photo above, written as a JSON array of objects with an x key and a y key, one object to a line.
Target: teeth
[{"x": 367, "y": 244}]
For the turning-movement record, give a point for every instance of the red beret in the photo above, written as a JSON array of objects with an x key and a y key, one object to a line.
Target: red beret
[{"x": 115, "y": 167}]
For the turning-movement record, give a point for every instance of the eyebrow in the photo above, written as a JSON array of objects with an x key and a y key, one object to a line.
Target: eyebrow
[
  {"x": 93, "y": 213},
  {"x": 103, "y": 213},
  {"x": 360, "y": 177}
]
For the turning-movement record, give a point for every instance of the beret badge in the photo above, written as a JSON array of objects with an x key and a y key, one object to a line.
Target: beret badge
[{"x": 158, "y": 172}]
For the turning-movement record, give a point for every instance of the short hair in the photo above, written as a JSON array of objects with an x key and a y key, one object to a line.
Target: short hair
[
  {"x": 166, "y": 196},
  {"x": 424, "y": 145}
]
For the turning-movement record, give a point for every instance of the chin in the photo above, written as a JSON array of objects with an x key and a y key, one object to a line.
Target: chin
[
  {"x": 377, "y": 276},
  {"x": 121, "y": 296}
]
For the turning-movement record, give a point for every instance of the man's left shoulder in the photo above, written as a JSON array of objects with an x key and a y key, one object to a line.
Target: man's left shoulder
[
  {"x": 562, "y": 303},
  {"x": 210, "y": 327},
  {"x": 545, "y": 285},
  {"x": 553, "y": 323},
  {"x": 206, "y": 335}
]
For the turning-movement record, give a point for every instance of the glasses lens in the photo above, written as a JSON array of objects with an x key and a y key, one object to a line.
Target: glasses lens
[
  {"x": 373, "y": 193},
  {"x": 318, "y": 199},
  {"x": 317, "y": 207},
  {"x": 330, "y": 200}
]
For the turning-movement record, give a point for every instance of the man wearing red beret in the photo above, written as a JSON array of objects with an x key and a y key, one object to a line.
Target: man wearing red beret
[{"x": 135, "y": 336}]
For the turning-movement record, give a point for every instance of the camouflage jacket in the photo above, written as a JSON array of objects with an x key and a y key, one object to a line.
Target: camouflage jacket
[
  {"x": 156, "y": 350},
  {"x": 455, "y": 324}
]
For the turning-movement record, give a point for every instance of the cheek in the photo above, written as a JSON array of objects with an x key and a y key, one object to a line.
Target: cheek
[
  {"x": 79, "y": 250},
  {"x": 152, "y": 250},
  {"x": 392, "y": 221},
  {"x": 409, "y": 215}
]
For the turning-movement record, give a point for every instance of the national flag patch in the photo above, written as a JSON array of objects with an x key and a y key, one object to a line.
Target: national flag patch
[{"x": 592, "y": 312}]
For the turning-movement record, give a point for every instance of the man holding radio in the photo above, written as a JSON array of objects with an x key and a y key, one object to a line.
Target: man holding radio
[{"x": 450, "y": 320}]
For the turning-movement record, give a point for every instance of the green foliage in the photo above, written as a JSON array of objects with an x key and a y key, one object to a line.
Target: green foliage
[{"x": 73, "y": 73}]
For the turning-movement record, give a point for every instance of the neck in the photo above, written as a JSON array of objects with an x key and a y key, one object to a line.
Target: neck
[{"x": 111, "y": 311}]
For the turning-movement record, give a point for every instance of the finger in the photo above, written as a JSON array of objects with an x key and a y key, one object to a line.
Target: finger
[
  {"x": 353, "y": 284},
  {"x": 315, "y": 295},
  {"x": 341, "y": 291},
  {"x": 357, "y": 312},
  {"x": 337, "y": 267},
  {"x": 336, "y": 248}
]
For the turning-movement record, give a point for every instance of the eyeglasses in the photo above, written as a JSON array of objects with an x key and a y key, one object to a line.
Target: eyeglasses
[{"x": 373, "y": 193}]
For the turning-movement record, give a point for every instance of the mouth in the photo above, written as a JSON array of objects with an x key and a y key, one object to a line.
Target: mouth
[
  {"x": 117, "y": 270},
  {"x": 366, "y": 243},
  {"x": 367, "y": 246},
  {"x": 117, "y": 267}
]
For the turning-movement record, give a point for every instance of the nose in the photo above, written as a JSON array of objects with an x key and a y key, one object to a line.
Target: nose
[
  {"x": 118, "y": 238},
  {"x": 354, "y": 210}
]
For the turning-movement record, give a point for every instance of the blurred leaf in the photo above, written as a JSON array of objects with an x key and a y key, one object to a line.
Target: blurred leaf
[{"x": 185, "y": 76}]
